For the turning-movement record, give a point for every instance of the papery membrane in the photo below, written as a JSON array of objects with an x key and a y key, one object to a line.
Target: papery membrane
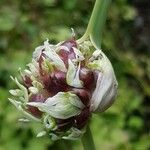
[{"x": 106, "y": 86}]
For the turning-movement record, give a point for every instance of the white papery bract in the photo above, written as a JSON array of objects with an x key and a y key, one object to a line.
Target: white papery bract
[{"x": 106, "y": 86}]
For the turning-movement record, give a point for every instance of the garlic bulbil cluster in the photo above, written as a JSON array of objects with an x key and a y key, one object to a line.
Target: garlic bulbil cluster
[{"x": 63, "y": 85}]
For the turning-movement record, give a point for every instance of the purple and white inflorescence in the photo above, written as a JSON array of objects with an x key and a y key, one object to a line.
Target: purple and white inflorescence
[{"x": 63, "y": 85}]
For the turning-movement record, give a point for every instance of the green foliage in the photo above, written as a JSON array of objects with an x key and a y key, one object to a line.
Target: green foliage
[{"x": 26, "y": 24}]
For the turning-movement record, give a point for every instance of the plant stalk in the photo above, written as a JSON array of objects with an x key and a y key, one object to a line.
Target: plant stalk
[
  {"x": 97, "y": 21},
  {"x": 87, "y": 140}
]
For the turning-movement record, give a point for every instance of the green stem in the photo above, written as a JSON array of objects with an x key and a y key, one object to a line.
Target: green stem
[
  {"x": 60, "y": 144},
  {"x": 87, "y": 140},
  {"x": 96, "y": 23}
]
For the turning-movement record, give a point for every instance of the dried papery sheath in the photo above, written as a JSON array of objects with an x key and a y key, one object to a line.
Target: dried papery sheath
[{"x": 63, "y": 85}]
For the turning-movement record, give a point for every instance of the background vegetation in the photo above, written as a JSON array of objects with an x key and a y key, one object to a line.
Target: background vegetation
[{"x": 26, "y": 24}]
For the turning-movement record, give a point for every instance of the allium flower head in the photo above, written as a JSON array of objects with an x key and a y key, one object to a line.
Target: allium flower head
[{"x": 63, "y": 85}]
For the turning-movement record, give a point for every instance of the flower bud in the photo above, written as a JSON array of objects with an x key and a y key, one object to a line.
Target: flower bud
[{"x": 63, "y": 85}]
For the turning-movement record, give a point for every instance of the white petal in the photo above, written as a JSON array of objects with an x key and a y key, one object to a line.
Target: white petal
[
  {"x": 38, "y": 85},
  {"x": 47, "y": 65},
  {"x": 53, "y": 56},
  {"x": 18, "y": 105},
  {"x": 34, "y": 68},
  {"x": 23, "y": 88},
  {"x": 72, "y": 76},
  {"x": 49, "y": 122},
  {"x": 64, "y": 48},
  {"x": 37, "y": 53},
  {"x": 61, "y": 105},
  {"x": 79, "y": 55},
  {"x": 16, "y": 92},
  {"x": 54, "y": 137},
  {"x": 27, "y": 72},
  {"x": 40, "y": 134},
  {"x": 74, "y": 135},
  {"x": 33, "y": 90},
  {"x": 15, "y": 103}
]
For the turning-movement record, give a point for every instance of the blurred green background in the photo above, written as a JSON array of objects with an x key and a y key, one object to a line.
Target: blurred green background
[{"x": 24, "y": 25}]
